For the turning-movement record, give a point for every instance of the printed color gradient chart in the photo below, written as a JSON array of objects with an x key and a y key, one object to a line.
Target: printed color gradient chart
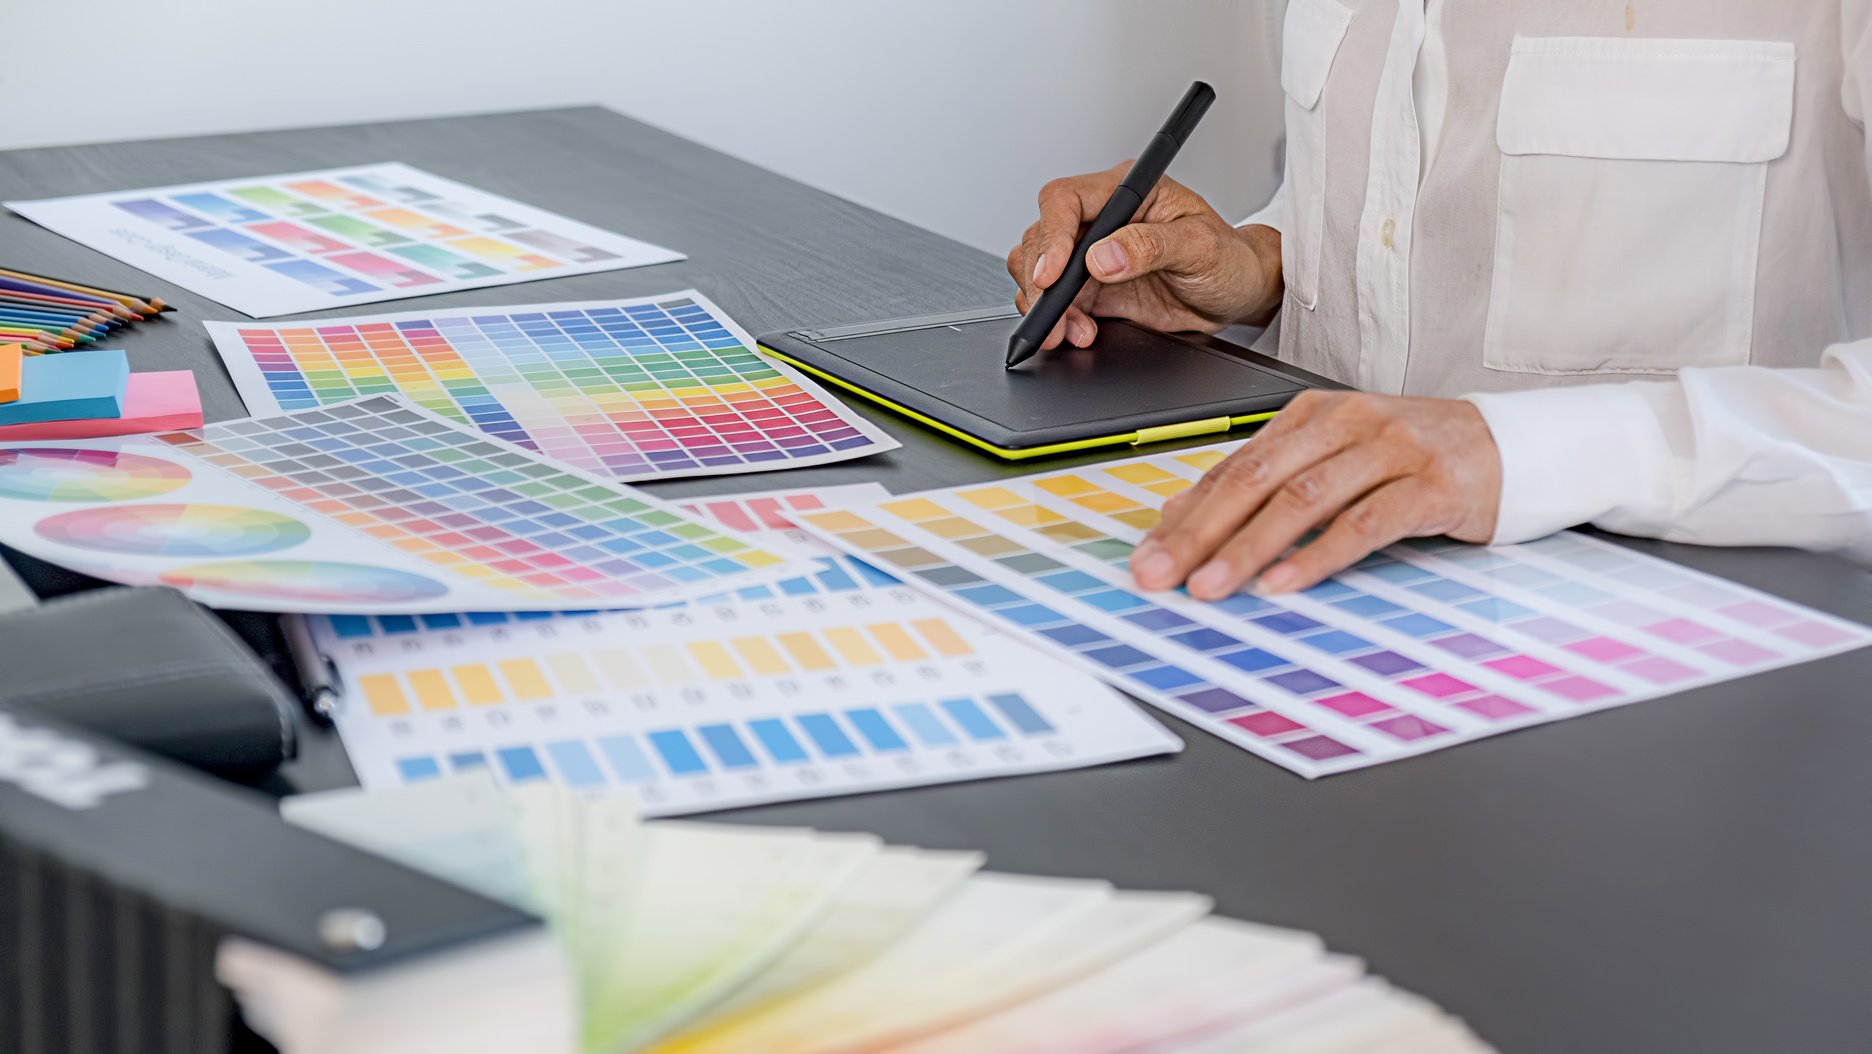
[
  {"x": 310, "y": 241},
  {"x": 632, "y": 389},
  {"x": 878, "y": 632},
  {"x": 720, "y": 705},
  {"x": 1420, "y": 647},
  {"x": 367, "y": 506}
]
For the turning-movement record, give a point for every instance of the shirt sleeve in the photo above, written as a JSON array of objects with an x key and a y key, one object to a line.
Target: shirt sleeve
[
  {"x": 1741, "y": 455},
  {"x": 1737, "y": 455}
]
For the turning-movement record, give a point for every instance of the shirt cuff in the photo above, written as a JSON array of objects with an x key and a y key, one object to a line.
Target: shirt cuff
[{"x": 1575, "y": 455}]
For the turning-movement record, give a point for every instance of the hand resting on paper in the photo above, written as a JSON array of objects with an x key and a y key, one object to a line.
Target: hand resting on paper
[{"x": 1366, "y": 469}]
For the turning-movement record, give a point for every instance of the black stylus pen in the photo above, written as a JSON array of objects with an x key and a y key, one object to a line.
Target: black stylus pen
[{"x": 1123, "y": 204}]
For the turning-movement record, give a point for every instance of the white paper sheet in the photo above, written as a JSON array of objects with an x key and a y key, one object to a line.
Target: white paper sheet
[{"x": 313, "y": 241}]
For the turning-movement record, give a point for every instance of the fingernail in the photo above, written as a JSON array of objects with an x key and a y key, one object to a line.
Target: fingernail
[
  {"x": 1152, "y": 569},
  {"x": 1108, "y": 258},
  {"x": 1278, "y": 580},
  {"x": 1212, "y": 580},
  {"x": 1081, "y": 332},
  {"x": 1039, "y": 266}
]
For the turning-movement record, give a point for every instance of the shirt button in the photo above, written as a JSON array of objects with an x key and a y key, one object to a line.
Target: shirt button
[{"x": 1385, "y": 232}]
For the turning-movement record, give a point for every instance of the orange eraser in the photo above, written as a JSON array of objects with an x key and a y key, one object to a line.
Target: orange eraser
[{"x": 10, "y": 355}]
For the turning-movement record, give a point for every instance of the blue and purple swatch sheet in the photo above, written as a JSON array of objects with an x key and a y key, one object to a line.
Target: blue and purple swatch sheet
[{"x": 1422, "y": 646}]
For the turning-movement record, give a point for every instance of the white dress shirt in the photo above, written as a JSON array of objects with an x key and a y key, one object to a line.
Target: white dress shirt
[{"x": 1525, "y": 199}]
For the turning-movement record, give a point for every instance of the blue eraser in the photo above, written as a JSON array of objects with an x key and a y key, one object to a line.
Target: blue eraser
[{"x": 69, "y": 386}]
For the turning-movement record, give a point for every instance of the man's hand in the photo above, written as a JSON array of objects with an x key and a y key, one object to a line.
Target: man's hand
[
  {"x": 1370, "y": 469},
  {"x": 1179, "y": 267}
]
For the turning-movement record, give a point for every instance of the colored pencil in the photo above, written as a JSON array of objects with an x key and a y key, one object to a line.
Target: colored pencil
[
  {"x": 141, "y": 305},
  {"x": 96, "y": 303}
]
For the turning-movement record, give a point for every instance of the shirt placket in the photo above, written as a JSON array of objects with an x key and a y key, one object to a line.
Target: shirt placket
[{"x": 1384, "y": 233}]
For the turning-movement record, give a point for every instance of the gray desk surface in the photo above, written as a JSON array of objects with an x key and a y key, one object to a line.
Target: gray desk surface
[{"x": 1689, "y": 874}]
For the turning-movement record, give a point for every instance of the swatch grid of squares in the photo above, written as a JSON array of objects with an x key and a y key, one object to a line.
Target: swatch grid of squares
[
  {"x": 837, "y": 681},
  {"x": 1419, "y": 647},
  {"x": 629, "y": 388}
]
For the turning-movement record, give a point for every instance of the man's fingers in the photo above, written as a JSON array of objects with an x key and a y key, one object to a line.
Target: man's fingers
[
  {"x": 1226, "y": 498},
  {"x": 1400, "y": 509},
  {"x": 1065, "y": 206},
  {"x": 1305, "y": 500},
  {"x": 1182, "y": 246}
]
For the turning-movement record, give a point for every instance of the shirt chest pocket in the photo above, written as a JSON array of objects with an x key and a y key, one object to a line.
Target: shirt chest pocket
[
  {"x": 1628, "y": 226},
  {"x": 1310, "y": 40}
]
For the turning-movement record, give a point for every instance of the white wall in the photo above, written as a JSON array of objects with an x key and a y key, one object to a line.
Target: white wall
[{"x": 948, "y": 113}]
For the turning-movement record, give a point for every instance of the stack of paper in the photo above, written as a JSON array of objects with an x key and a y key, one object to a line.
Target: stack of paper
[
  {"x": 89, "y": 394},
  {"x": 705, "y": 939}
]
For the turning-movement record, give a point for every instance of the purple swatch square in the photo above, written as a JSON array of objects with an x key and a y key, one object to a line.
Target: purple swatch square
[
  {"x": 1551, "y": 630},
  {"x": 1387, "y": 663},
  {"x": 1579, "y": 689},
  {"x": 1302, "y": 682},
  {"x": 1470, "y": 646},
  {"x": 1495, "y": 707},
  {"x": 1408, "y": 727},
  {"x": 1319, "y": 748},
  {"x": 1215, "y": 700}
]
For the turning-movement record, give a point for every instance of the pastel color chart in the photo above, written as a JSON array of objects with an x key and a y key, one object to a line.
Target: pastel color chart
[
  {"x": 365, "y": 506},
  {"x": 1423, "y": 646},
  {"x": 720, "y": 705},
  {"x": 280, "y": 245},
  {"x": 631, "y": 389}
]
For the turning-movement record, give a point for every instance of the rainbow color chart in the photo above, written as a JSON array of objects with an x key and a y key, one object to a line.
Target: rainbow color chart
[
  {"x": 366, "y": 506},
  {"x": 631, "y": 389},
  {"x": 734, "y": 700},
  {"x": 709, "y": 706},
  {"x": 1422, "y": 646},
  {"x": 309, "y": 241}
]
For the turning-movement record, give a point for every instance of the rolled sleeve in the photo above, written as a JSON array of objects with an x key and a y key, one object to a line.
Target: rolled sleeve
[{"x": 1574, "y": 455}]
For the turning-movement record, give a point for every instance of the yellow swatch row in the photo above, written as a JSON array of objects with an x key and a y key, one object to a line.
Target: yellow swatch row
[{"x": 594, "y": 672}]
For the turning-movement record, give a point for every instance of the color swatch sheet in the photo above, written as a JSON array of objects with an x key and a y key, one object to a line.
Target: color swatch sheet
[
  {"x": 367, "y": 506},
  {"x": 1419, "y": 647},
  {"x": 835, "y": 682},
  {"x": 633, "y": 389},
  {"x": 311, "y": 241},
  {"x": 684, "y": 938}
]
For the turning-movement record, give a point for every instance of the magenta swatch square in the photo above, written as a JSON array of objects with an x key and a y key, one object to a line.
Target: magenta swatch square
[
  {"x": 1319, "y": 748},
  {"x": 1814, "y": 634},
  {"x": 1659, "y": 670},
  {"x": 1354, "y": 704},
  {"x": 1440, "y": 685},
  {"x": 1757, "y": 613},
  {"x": 1579, "y": 689},
  {"x": 1408, "y": 726},
  {"x": 1682, "y": 631},
  {"x": 1522, "y": 667},
  {"x": 1267, "y": 723},
  {"x": 1737, "y": 652},
  {"x": 1604, "y": 649},
  {"x": 1495, "y": 707}
]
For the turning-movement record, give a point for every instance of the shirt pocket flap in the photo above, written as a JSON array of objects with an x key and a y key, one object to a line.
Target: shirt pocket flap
[
  {"x": 1309, "y": 41},
  {"x": 1648, "y": 100}
]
